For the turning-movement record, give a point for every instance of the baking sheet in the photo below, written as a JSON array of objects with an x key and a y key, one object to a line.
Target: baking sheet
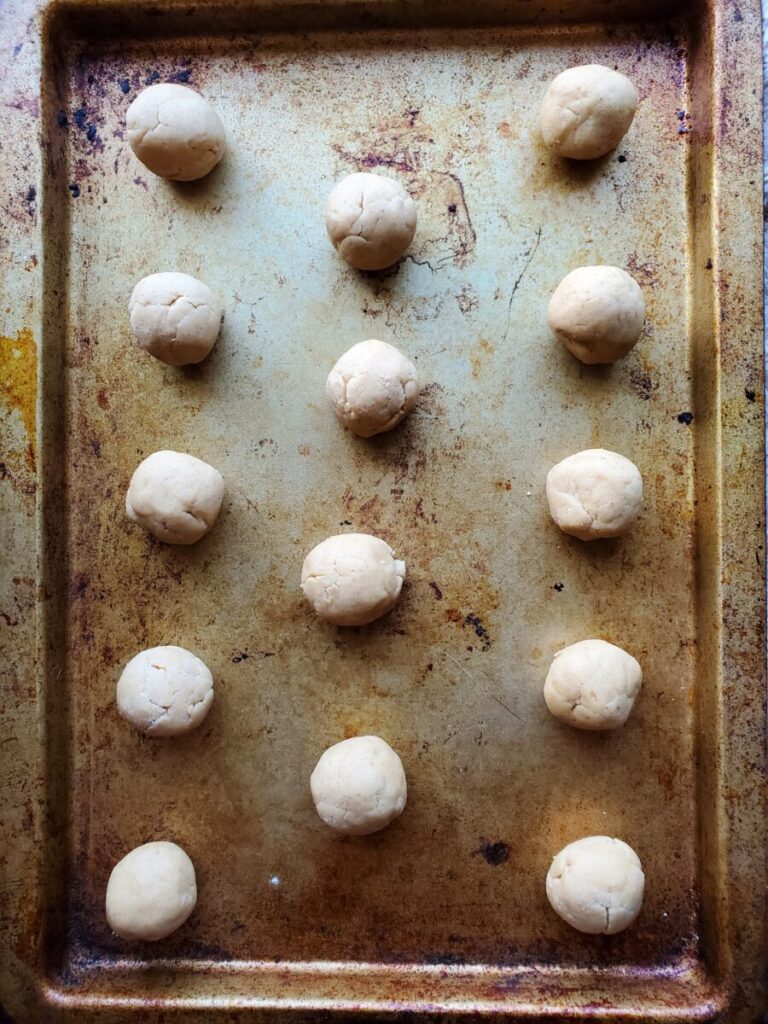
[{"x": 445, "y": 910}]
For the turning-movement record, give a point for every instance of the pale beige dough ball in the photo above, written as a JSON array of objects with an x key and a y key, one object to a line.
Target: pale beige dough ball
[
  {"x": 174, "y": 496},
  {"x": 372, "y": 387},
  {"x": 587, "y": 111},
  {"x": 174, "y": 317},
  {"x": 592, "y": 685},
  {"x": 165, "y": 691},
  {"x": 596, "y": 884},
  {"x": 175, "y": 132},
  {"x": 352, "y": 579},
  {"x": 358, "y": 786},
  {"x": 371, "y": 220},
  {"x": 597, "y": 313},
  {"x": 594, "y": 494},
  {"x": 151, "y": 892}
]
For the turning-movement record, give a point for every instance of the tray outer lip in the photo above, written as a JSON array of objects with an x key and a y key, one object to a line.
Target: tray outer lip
[{"x": 737, "y": 857}]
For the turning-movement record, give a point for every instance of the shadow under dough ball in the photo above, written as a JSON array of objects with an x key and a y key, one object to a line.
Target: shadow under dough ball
[
  {"x": 371, "y": 220},
  {"x": 175, "y": 132},
  {"x": 587, "y": 111}
]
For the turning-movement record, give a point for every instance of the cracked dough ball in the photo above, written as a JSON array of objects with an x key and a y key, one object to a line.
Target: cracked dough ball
[
  {"x": 592, "y": 685},
  {"x": 587, "y": 111},
  {"x": 596, "y": 884},
  {"x": 165, "y": 691},
  {"x": 358, "y": 786},
  {"x": 594, "y": 494},
  {"x": 151, "y": 892},
  {"x": 597, "y": 313},
  {"x": 175, "y": 317},
  {"x": 372, "y": 387},
  {"x": 371, "y": 220},
  {"x": 174, "y": 496},
  {"x": 175, "y": 132},
  {"x": 352, "y": 579}
]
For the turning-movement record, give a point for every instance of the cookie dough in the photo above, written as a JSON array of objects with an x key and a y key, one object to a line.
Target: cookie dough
[
  {"x": 596, "y": 884},
  {"x": 174, "y": 317},
  {"x": 358, "y": 786},
  {"x": 165, "y": 691},
  {"x": 594, "y": 494},
  {"x": 587, "y": 111},
  {"x": 352, "y": 579},
  {"x": 151, "y": 892},
  {"x": 371, "y": 220},
  {"x": 174, "y": 496},
  {"x": 372, "y": 387},
  {"x": 175, "y": 132},
  {"x": 592, "y": 685},
  {"x": 597, "y": 313}
]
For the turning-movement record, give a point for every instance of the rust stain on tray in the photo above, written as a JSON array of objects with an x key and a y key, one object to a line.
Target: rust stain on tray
[{"x": 18, "y": 376}]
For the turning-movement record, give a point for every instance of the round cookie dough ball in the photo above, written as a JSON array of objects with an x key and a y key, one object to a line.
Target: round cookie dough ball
[
  {"x": 587, "y": 111},
  {"x": 151, "y": 892},
  {"x": 174, "y": 496},
  {"x": 174, "y": 317},
  {"x": 597, "y": 313},
  {"x": 596, "y": 884},
  {"x": 371, "y": 220},
  {"x": 175, "y": 132},
  {"x": 592, "y": 685},
  {"x": 352, "y": 579},
  {"x": 594, "y": 494},
  {"x": 165, "y": 691},
  {"x": 372, "y": 387},
  {"x": 358, "y": 786}
]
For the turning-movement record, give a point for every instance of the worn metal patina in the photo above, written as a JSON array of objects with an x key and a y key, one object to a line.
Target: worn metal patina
[{"x": 443, "y": 914}]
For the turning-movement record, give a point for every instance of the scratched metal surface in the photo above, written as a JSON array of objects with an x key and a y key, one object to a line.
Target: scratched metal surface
[{"x": 444, "y": 911}]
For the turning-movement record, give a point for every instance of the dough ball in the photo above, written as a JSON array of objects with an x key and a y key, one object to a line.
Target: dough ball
[
  {"x": 592, "y": 685},
  {"x": 174, "y": 317},
  {"x": 352, "y": 579},
  {"x": 165, "y": 691},
  {"x": 174, "y": 496},
  {"x": 371, "y": 220},
  {"x": 596, "y": 884},
  {"x": 358, "y": 786},
  {"x": 175, "y": 132},
  {"x": 594, "y": 494},
  {"x": 151, "y": 892},
  {"x": 587, "y": 111},
  {"x": 372, "y": 387},
  {"x": 597, "y": 313}
]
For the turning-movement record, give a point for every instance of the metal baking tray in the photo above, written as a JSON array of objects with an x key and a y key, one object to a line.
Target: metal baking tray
[{"x": 444, "y": 914}]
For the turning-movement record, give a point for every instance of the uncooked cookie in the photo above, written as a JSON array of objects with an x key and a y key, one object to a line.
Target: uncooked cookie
[
  {"x": 597, "y": 313},
  {"x": 358, "y": 785},
  {"x": 174, "y": 317},
  {"x": 352, "y": 579},
  {"x": 587, "y": 111},
  {"x": 596, "y": 884},
  {"x": 371, "y": 220},
  {"x": 151, "y": 892},
  {"x": 372, "y": 387},
  {"x": 175, "y": 132},
  {"x": 165, "y": 691},
  {"x": 174, "y": 496},
  {"x": 592, "y": 685},
  {"x": 594, "y": 494}
]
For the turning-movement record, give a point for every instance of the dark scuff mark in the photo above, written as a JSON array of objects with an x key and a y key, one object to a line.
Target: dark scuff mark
[
  {"x": 152, "y": 77},
  {"x": 437, "y": 590},
  {"x": 80, "y": 584},
  {"x": 559, "y": 587},
  {"x": 242, "y": 656},
  {"x": 708, "y": 265},
  {"x": 642, "y": 383},
  {"x": 494, "y": 853},
  {"x": 621, "y": 158},
  {"x": 61, "y": 119},
  {"x": 182, "y": 76},
  {"x": 685, "y": 417},
  {"x": 530, "y": 254},
  {"x": 480, "y": 631},
  {"x": 749, "y": 394},
  {"x": 29, "y": 199},
  {"x": 80, "y": 117},
  {"x": 74, "y": 188},
  {"x": 125, "y": 86},
  {"x": 96, "y": 447}
]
